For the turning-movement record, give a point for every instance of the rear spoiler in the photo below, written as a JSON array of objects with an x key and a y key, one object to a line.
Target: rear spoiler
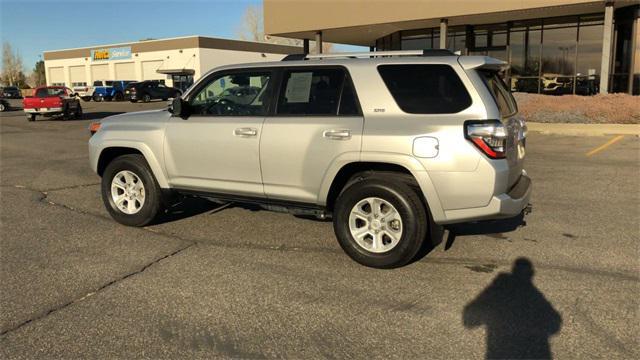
[{"x": 481, "y": 62}]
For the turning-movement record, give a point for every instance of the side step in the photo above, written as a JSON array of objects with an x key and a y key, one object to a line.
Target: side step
[{"x": 282, "y": 206}]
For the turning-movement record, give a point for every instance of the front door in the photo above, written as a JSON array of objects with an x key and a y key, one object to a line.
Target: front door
[
  {"x": 216, "y": 149},
  {"x": 317, "y": 121}
]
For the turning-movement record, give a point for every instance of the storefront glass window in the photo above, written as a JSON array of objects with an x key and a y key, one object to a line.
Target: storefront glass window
[
  {"x": 589, "y": 59},
  {"x": 558, "y": 51},
  {"x": 552, "y": 55}
]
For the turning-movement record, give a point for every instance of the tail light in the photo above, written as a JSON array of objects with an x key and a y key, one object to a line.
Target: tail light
[
  {"x": 490, "y": 136},
  {"x": 132, "y": 89}
]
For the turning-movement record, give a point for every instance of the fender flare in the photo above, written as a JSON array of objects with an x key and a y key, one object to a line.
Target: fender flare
[
  {"x": 408, "y": 162},
  {"x": 154, "y": 163}
]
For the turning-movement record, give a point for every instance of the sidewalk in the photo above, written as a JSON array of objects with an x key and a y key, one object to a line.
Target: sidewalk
[{"x": 585, "y": 129}]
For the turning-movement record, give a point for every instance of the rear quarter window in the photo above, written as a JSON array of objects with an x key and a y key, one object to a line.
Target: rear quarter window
[
  {"x": 501, "y": 94},
  {"x": 425, "y": 89}
]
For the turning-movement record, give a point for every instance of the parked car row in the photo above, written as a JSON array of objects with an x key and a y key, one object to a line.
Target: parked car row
[
  {"x": 146, "y": 91},
  {"x": 120, "y": 90}
]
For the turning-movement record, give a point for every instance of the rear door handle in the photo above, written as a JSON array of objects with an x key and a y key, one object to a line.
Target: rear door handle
[
  {"x": 245, "y": 132},
  {"x": 337, "y": 134}
]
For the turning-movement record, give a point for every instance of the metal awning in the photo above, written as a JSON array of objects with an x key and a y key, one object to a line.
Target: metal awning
[{"x": 176, "y": 71}]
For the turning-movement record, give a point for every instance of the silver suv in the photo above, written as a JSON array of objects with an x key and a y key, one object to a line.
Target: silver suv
[{"x": 388, "y": 144}]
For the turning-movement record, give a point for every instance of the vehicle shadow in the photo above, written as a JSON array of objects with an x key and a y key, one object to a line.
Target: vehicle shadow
[
  {"x": 519, "y": 320},
  {"x": 187, "y": 207},
  {"x": 494, "y": 228},
  {"x": 490, "y": 227}
]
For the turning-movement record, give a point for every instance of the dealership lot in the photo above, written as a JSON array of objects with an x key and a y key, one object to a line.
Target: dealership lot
[{"x": 235, "y": 281}]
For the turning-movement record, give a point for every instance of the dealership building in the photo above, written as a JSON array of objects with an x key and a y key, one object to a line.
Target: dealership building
[
  {"x": 176, "y": 61},
  {"x": 551, "y": 46}
]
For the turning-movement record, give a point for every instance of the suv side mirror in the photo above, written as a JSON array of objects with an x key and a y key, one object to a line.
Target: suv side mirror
[{"x": 180, "y": 108}]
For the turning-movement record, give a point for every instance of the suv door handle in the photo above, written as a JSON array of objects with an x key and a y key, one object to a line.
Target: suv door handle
[
  {"x": 245, "y": 132},
  {"x": 337, "y": 134}
]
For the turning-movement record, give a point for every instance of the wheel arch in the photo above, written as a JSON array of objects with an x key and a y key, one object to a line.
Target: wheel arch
[
  {"x": 342, "y": 176},
  {"x": 112, "y": 151}
]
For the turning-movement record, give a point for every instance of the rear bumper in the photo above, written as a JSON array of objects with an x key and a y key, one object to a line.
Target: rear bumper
[
  {"x": 501, "y": 206},
  {"x": 43, "y": 111}
]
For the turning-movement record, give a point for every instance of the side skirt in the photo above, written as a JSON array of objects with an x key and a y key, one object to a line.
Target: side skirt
[{"x": 283, "y": 206}]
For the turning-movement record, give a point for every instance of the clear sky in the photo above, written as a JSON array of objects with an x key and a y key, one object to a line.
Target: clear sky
[{"x": 33, "y": 26}]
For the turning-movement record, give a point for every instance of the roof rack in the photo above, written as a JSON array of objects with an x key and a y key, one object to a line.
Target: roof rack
[{"x": 353, "y": 55}]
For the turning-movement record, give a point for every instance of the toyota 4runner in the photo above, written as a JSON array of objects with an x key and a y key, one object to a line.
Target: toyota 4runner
[{"x": 388, "y": 144}]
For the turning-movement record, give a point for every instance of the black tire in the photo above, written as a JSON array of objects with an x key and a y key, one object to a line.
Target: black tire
[
  {"x": 66, "y": 115},
  {"x": 31, "y": 117},
  {"x": 3, "y": 108},
  {"x": 146, "y": 98},
  {"x": 153, "y": 202},
  {"x": 400, "y": 194},
  {"x": 118, "y": 96},
  {"x": 78, "y": 113},
  {"x": 97, "y": 98},
  {"x": 86, "y": 98}
]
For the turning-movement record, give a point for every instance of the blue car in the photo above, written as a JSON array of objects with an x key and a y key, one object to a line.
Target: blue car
[{"x": 109, "y": 90}]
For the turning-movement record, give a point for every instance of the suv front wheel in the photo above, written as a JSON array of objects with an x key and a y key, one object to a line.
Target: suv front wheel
[
  {"x": 130, "y": 192},
  {"x": 380, "y": 221}
]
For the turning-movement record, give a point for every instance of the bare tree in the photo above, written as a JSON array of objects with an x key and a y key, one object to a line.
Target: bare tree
[
  {"x": 37, "y": 76},
  {"x": 252, "y": 29},
  {"x": 11, "y": 66}
]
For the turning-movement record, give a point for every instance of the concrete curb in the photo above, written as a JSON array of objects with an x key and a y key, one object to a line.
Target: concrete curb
[{"x": 585, "y": 129}]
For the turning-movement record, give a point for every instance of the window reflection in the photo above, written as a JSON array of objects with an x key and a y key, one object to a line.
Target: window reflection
[{"x": 561, "y": 56}]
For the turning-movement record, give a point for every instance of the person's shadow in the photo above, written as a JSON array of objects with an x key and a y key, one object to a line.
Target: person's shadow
[{"x": 518, "y": 318}]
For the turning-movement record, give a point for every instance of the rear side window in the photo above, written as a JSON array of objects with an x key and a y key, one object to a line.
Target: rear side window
[
  {"x": 505, "y": 101},
  {"x": 316, "y": 92},
  {"x": 48, "y": 92},
  {"x": 425, "y": 89}
]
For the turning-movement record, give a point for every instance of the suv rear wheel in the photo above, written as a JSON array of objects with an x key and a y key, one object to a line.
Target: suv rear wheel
[
  {"x": 130, "y": 192},
  {"x": 380, "y": 222}
]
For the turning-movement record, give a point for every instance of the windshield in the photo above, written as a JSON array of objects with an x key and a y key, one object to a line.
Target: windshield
[{"x": 505, "y": 101}]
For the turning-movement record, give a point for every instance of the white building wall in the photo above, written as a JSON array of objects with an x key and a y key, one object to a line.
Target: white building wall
[
  {"x": 146, "y": 64},
  {"x": 212, "y": 58},
  {"x": 166, "y": 59}
]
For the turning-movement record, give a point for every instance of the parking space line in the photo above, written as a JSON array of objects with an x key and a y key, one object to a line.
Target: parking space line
[{"x": 605, "y": 145}]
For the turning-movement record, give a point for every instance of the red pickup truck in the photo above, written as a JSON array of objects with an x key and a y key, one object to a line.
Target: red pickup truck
[{"x": 51, "y": 101}]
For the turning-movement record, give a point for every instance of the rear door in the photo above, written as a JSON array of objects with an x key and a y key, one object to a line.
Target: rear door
[
  {"x": 513, "y": 122},
  {"x": 317, "y": 119}
]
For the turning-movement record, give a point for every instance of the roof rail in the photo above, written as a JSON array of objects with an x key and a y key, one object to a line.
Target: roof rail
[
  {"x": 292, "y": 57},
  {"x": 426, "y": 52}
]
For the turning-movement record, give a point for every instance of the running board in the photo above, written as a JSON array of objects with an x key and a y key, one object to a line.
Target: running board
[{"x": 282, "y": 206}]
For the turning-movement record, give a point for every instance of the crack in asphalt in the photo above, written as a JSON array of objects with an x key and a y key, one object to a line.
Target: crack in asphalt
[
  {"x": 194, "y": 242},
  {"x": 57, "y": 308},
  {"x": 43, "y": 198},
  {"x": 442, "y": 261}
]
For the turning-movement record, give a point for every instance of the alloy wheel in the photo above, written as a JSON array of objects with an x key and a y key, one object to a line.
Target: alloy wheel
[
  {"x": 375, "y": 225},
  {"x": 127, "y": 192}
]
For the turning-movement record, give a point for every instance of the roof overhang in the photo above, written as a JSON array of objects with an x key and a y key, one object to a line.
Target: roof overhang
[
  {"x": 176, "y": 71},
  {"x": 357, "y": 23}
]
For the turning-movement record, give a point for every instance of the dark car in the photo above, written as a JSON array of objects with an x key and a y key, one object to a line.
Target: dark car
[
  {"x": 11, "y": 92},
  {"x": 146, "y": 91},
  {"x": 4, "y": 105}
]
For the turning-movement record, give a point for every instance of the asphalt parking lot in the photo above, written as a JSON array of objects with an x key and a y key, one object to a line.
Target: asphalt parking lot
[{"x": 239, "y": 282}]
